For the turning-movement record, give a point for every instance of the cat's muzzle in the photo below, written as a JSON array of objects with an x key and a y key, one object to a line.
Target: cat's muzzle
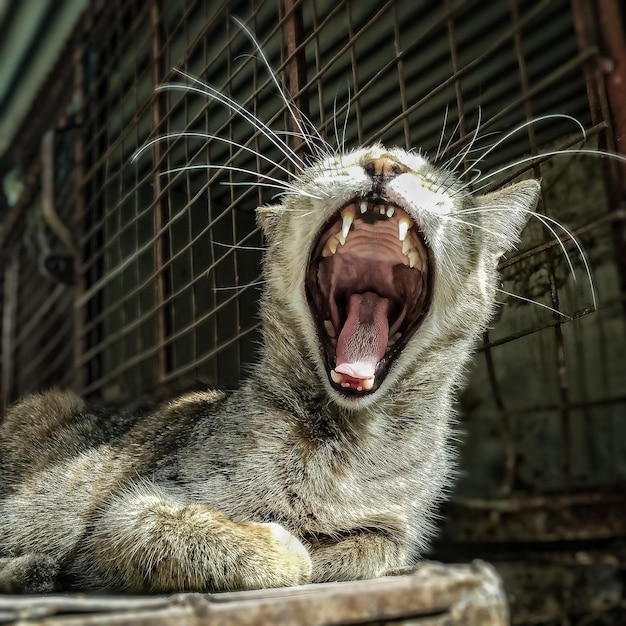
[{"x": 369, "y": 287}]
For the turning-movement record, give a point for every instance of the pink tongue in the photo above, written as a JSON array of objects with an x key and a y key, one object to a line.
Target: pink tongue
[{"x": 363, "y": 338}]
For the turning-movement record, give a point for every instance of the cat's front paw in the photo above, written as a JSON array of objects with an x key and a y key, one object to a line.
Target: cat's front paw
[
  {"x": 285, "y": 562},
  {"x": 30, "y": 573}
]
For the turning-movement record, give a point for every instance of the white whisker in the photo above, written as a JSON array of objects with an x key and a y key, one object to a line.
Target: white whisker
[
  {"x": 521, "y": 127},
  {"x": 463, "y": 155},
  {"x": 530, "y": 159},
  {"x": 292, "y": 110},
  {"x": 240, "y": 287},
  {"x": 345, "y": 123},
  {"x": 530, "y": 301},
  {"x": 234, "y": 246},
  {"x": 209, "y": 137},
  {"x": 213, "y": 93},
  {"x": 278, "y": 184},
  {"x": 544, "y": 219},
  {"x": 443, "y": 132}
]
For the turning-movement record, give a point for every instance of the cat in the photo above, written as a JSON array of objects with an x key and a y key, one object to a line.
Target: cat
[{"x": 329, "y": 463}]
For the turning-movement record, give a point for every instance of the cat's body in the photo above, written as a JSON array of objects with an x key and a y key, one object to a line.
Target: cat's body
[{"x": 329, "y": 462}]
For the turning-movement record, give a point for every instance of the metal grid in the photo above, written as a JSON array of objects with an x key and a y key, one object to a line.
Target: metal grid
[
  {"x": 169, "y": 253},
  {"x": 170, "y": 264},
  {"x": 37, "y": 323}
]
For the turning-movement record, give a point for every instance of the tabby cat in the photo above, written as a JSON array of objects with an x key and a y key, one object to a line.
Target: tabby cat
[{"x": 329, "y": 462}]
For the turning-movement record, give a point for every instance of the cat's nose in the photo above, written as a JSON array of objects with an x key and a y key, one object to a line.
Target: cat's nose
[{"x": 384, "y": 168}]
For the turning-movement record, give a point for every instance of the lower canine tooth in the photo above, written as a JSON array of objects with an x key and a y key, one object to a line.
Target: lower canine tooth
[
  {"x": 367, "y": 383},
  {"x": 336, "y": 378},
  {"x": 330, "y": 329}
]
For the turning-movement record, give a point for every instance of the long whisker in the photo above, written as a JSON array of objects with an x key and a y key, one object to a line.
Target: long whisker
[
  {"x": 213, "y": 93},
  {"x": 238, "y": 246},
  {"x": 345, "y": 122},
  {"x": 335, "y": 128},
  {"x": 286, "y": 100},
  {"x": 456, "y": 127},
  {"x": 530, "y": 301},
  {"x": 443, "y": 132},
  {"x": 277, "y": 182},
  {"x": 530, "y": 159},
  {"x": 544, "y": 219},
  {"x": 205, "y": 136},
  {"x": 525, "y": 125},
  {"x": 240, "y": 287},
  {"x": 464, "y": 153}
]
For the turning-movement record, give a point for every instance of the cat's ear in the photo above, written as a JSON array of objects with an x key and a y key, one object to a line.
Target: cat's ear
[
  {"x": 505, "y": 213},
  {"x": 267, "y": 218}
]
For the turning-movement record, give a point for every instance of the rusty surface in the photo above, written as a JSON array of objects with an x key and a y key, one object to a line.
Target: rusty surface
[
  {"x": 161, "y": 211},
  {"x": 297, "y": 69}
]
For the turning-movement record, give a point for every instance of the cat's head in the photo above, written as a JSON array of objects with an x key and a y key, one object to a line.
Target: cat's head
[{"x": 381, "y": 260}]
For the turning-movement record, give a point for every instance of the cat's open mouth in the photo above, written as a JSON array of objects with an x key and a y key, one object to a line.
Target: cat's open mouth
[{"x": 369, "y": 287}]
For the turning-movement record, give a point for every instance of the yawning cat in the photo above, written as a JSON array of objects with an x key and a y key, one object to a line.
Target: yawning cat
[{"x": 329, "y": 462}]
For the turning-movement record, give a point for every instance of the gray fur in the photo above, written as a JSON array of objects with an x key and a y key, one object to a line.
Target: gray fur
[{"x": 287, "y": 480}]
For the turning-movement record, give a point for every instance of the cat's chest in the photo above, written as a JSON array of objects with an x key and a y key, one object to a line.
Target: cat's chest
[{"x": 321, "y": 492}]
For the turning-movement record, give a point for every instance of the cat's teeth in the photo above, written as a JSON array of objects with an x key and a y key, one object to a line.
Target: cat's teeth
[
  {"x": 330, "y": 329},
  {"x": 406, "y": 246},
  {"x": 403, "y": 228},
  {"x": 336, "y": 377},
  {"x": 363, "y": 207},
  {"x": 348, "y": 217},
  {"x": 383, "y": 210},
  {"x": 331, "y": 246},
  {"x": 365, "y": 384},
  {"x": 390, "y": 211},
  {"x": 392, "y": 341},
  {"x": 414, "y": 258}
]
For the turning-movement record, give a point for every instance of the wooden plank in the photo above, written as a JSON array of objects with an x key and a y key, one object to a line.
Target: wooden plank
[{"x": 430, "y": 595}]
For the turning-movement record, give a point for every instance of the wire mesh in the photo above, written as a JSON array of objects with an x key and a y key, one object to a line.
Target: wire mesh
[{"x": 169, "y": 265}]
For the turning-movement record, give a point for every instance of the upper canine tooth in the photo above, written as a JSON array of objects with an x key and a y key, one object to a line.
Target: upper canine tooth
[
  {"x": 403, "y": 228},
  {"x": 348, "y": 218}
]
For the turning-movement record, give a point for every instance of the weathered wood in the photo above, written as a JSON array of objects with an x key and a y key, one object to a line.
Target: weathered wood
[
  {"x": 572, "y": 517},
  {"x": 431, "y": 595}
]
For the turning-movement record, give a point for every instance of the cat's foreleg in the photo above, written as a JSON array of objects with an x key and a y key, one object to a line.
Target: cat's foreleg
[
  {"x": 30, "y": 573},
  {"x": 144, "y": 541},
  {"x": 360, "y": 554}
]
